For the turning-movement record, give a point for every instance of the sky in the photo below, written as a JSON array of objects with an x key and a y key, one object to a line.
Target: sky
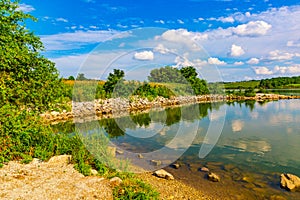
[{"x": 225, "y": 40}]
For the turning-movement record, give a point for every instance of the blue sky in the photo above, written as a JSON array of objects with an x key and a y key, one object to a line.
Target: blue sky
[{"x": 225, "y": 40}]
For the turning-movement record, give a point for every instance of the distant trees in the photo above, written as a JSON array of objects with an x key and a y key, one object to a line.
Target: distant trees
[
  {"x": 185, "y": 75},
  {"x": 81, "y": 77},
  {"x": 279, "y": 82}
]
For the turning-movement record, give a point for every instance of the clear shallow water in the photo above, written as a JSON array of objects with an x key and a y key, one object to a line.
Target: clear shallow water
[{"x": 257, "y": 142}]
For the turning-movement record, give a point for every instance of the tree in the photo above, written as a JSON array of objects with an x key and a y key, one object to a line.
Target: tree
[
  {"x": 112, "y": 80},
  {"x": 71, "y": 78},
  {"x": 27, "y": 79},
  {"x": 81, "y": 77}
]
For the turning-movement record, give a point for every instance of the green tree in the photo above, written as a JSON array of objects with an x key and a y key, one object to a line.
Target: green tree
[
  {"x": 71, "y": 78},
  {"x": 112, "y": 80},
  {"x": 27, "y": 79}
]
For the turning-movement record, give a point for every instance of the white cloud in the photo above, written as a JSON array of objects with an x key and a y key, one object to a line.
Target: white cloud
[
  {"x": 160, "y": 21},
  {"x": 253, "y": 61},
  {"x": 252, "y": 29},
  {"x": 60, "y": 19},
  {"x": 226, "y": 19},
  {"x": 262, "y": 71},
  {"x": 161, "y": 49},
  {"x": 25, "y": 8},
  {"x": 76, "y": 40},
  {"x": 215, "y": 61},
  {"x": 180, "y": 21},
  {"x": 293, "y": 69},
  {"x": 238, "y": 63},
  {"x": 292, "y": 43},
  {"x": 144, "y": 55},
  {"x": 236, "y": 50},
  {"x": 280, "y": 55},
  {"x": 184, "y": 37}
]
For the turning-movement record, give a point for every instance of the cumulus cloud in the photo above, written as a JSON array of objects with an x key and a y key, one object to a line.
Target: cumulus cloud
[
  {"x": 215, "y": 61},
  {"x": 262, "y": 71},
  {"x": 236, "y": 50},
  {"x": 253, "y": 61},
  {"x": 293, "y": 69},
  {"x": 280, "y": 55},
  {"x": 161, "y": 49},
  {"x": 182, "y": 36},
  {"x": 25, "y": 8},
  {"x": 144, "y": 55},
  {"x": 252, "y": 29},
  {"x": 238, "y": 63},
  {"x": 229, "y": 19}
]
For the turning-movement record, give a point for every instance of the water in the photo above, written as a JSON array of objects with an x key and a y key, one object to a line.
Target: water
[{"x": 257, "y": 143}]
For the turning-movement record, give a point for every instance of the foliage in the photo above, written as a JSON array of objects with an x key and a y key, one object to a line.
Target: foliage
[
  {"x": 186, "y": 76},
  {"x": 280, "y": 82},
  {"x": 135, "y": 189},
  {"x": 71, "y": 78},
  {"x": 112, "y": 81},
  {"x": 80, "y": 77},
  {"x": 27, "y": 79}
]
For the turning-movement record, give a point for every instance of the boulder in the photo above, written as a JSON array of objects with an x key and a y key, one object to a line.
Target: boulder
[
  {"x": 213, "y": 177},
  {"x": 115, "y": 181},
  {"x": 289, "y": 182},
  {"x": 164, "y": 174}
]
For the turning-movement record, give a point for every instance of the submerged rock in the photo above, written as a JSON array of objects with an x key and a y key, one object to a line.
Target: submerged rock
[
  {"x": 156, "y": 162},
  {"x": 164, "y": 174},
  {"x": 290, "y": 182},
  {"x": 204, "y": 169},
  {"x": 213, "y": 177},
  {"x": 175, "y": 165}
]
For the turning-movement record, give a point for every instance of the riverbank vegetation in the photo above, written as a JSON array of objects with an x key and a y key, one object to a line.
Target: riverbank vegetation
[{"x": 30, "y": 84}]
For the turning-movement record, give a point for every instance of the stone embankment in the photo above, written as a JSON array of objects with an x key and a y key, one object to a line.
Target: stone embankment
[{"x": 109, "y": 108}]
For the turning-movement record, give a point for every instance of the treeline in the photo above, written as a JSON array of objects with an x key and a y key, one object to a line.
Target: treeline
[
  {"x": 280, "y": 82},
  {"x": 272, "y": 83},
  {"x": 165, "y": 82}
]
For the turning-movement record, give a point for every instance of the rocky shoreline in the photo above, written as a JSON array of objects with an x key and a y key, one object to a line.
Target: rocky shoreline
[{"x": 117, "y": 107}]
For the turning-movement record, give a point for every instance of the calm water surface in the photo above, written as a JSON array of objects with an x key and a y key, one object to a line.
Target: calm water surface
[{"x": 258, "y": 142}]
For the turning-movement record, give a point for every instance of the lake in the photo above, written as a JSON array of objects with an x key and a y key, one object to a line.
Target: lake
[{"x": 248, "y": 144}]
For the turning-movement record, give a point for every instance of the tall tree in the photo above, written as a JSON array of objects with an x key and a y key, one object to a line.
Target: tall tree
[
  {"x": 112, "y": 80},
  {"x": 26, "y": 77}
]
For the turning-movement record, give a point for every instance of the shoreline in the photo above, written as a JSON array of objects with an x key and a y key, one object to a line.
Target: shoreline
[{"x": 118, "y": 107}]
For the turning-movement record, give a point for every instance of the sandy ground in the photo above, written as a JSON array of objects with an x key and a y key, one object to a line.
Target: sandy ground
[{"x": 57, "y": 179}]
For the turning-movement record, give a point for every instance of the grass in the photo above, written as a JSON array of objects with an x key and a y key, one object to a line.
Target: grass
[{"x": 23, "y": 136}]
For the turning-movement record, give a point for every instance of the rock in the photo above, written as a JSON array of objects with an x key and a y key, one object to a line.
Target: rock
[
  {"x": 156, "y": 162},
  {"x": 175, "y": 165},
  {"x": 213, "y": 177},
  {"x": 204, "y": 169},
  {"x": 289, "y": 182},
  {"x": 94, "y": 172},
  {"x": 119, "y": 152},
  {"x": 140, "y": 156},
  {"x": 62, "y": 159},
  {"x": 164, "y": 174},
  {"x": 115, "y": 181}
]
